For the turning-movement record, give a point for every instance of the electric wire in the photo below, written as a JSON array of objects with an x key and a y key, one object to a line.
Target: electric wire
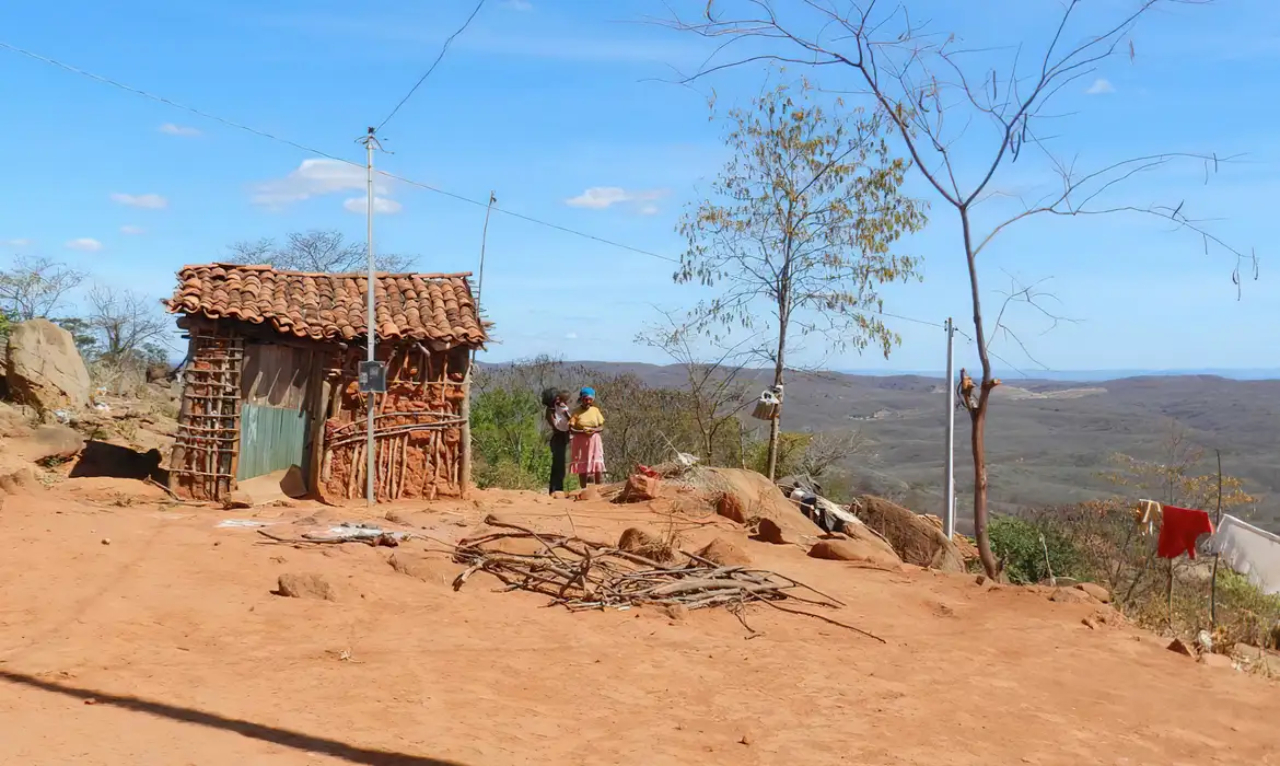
[
  {"x": 443, "y": 50},
  {"x": 409, "y": 181},
  {"x": 323, "y": 154}
]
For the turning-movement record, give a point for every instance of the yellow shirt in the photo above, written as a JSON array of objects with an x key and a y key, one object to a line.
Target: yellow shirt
[{"x": 587, "y": 418}]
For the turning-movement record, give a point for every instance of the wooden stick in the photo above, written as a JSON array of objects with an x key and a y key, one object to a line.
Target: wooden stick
[
  {"x": 837, "y": 623},
  {"x": 404, "y": 465},
  {"x": 464, "y": 480}
]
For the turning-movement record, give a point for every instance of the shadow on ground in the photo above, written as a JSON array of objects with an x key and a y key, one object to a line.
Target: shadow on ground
[
  {"x": 283, "y": 737},
  {"x": 100, "y": 459}
]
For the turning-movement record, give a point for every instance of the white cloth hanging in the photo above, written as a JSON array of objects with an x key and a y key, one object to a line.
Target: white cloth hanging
[{"x": 1253, "y": 552}]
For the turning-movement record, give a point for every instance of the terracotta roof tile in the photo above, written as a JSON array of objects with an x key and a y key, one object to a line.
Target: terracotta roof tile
[{"x": 420, "y": 307}]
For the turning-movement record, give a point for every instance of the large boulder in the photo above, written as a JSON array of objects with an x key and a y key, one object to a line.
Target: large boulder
[
  {"x": 749, "y": 499},
  {"x": 913, "y": 537},
  {"x": 44, "y": 369}
]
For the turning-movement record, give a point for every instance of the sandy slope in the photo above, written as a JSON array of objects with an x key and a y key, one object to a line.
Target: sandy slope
[{"x": 172, "y": 632}]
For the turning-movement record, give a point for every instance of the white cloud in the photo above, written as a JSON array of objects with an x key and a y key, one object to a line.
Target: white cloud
[
  {"x": 381, "y": 205},
  {"x": 86, "y": 244},
  {"x": 147, "y": 201},
  {"x": 604, "y": 197},
  {"x": 16, "y": 243},
  {"x": 132, "y": 230},
  {"x": 571, "y": 336},
  {"x": 313, "y": 178},
  {"x": 179, "y": 130},
  {"x": 1100, "y": 86},
  {"x": 518, "y": 5}
]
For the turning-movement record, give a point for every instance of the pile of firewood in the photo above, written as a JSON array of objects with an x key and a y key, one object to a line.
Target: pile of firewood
[{"x": 581, "y": 575}]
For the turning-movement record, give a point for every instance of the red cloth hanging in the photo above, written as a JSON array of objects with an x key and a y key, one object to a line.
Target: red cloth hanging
[{"x": 1179, "y": 531}]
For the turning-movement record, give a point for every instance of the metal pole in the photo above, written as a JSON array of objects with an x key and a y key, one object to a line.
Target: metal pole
[
  {"x": 370, "y": 322},
  {"x": 484, "y": 238},
  {"x": 949, "y": 520}
]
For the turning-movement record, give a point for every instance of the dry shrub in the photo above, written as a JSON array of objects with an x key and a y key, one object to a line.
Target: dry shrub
[{"x": 1108, "y": 549}]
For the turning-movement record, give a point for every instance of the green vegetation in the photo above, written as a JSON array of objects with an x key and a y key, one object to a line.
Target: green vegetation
[
  {"x": 1033, "y": 553},
  {"x": 643, "y": 425}
]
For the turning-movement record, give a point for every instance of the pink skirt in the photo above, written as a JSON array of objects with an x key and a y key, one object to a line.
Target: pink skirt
[{"x": 586, "y": 454}]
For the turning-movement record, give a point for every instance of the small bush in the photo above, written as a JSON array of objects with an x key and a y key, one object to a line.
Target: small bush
[{"x": 1021, "y": 544}]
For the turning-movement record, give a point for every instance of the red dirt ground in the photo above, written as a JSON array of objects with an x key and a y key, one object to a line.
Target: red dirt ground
[{"x": 141, "y": 634}]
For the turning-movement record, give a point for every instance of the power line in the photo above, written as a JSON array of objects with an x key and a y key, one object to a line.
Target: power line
[
  {"x": 320, "y": 153},
  {"x": 402, "y": 179},
  {"x": 443, "y": 50},
  {"x": 530, "y": 219},
  {"x": 160, "y": 99}
]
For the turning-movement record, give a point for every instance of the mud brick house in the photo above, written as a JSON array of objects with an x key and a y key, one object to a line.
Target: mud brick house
[{"x": 270, "y": 381}]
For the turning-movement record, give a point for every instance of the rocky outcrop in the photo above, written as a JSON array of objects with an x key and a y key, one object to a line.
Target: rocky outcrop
[
  {"x": 913, "y": 537},
  {"x": 43, "y": 368}
]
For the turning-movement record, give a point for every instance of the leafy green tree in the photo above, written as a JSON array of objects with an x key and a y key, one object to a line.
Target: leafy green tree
[
  {"x": 508, "y": 440},
  {"x": 799, "y": 230},
  {"x": 965, "y": 119},
  {"x": 83, "y": 334}
]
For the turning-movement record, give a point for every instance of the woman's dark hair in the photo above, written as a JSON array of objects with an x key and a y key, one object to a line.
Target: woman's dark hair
[{"x": 549, "y": 396}]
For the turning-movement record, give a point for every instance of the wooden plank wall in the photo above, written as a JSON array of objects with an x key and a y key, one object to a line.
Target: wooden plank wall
[{"x": 277, "y": 375}]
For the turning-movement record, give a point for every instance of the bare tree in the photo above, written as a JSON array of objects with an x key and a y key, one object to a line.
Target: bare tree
[
  {"x": 716, "y": 393},
  {"x": 127, "y": 323},
  {"x": 35, "y": 287},
  {"x": 827, "y": 448},
  {"x": 932, "y": 90},
  {"x": 802, "y": 219},
  {"x": 316, "y": 251}
]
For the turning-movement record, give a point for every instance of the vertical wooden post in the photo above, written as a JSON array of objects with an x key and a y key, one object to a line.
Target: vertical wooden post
[
  {"x": 178, "y": 456},
  {"x": 1217, "y": 554},
  {"x": 319, "y": 418},
  {"x": 464, "y": 444}
]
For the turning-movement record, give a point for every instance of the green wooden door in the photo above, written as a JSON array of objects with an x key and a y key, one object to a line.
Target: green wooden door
[{"x": 271, "y": 439}]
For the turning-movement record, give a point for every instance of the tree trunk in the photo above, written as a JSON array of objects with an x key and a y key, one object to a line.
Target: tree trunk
[
  {"x": 978, "y": 411},
  {"x": 775, "y": 424},
  {"x": 980, "y": 516}
]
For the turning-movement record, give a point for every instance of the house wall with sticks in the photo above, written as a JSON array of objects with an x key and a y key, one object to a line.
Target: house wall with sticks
[
  {"x": 421, "y": 433},
  {"x": 420, "y": 426}
]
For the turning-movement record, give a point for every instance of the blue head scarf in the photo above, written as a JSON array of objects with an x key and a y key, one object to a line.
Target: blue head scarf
[{"x": 587, "y": 391}]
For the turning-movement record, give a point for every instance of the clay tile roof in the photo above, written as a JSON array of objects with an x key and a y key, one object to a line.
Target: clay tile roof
[{"x": 436, "y": 307}]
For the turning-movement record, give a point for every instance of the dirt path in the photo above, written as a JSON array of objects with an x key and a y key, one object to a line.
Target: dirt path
[{"x": 165, "y": 646}]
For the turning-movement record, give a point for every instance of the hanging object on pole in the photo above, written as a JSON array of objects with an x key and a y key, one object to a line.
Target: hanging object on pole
[
  {"x": 373, "y": 377},
  {"x": 768, "y": 404}
]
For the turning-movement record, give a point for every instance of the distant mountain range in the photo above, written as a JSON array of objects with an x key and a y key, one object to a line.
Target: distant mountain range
[{"x": 1050, "y": 438}]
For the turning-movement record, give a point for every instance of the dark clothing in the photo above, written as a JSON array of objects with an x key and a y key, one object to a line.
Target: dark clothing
[{"x": 559, "y": 459}]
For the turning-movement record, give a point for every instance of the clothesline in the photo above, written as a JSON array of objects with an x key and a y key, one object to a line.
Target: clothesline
[
  {"x": 1253, "y": 552},
  {"x": 1180, "y": 528}
]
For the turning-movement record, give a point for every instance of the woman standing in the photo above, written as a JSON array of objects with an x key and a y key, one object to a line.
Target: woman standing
[
  {"x": 557, "y": 415},
  {"x": 588, "y": 448}
]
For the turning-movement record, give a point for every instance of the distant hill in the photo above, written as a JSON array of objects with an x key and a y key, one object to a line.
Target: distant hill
[{"x": 1048, "y": 441}]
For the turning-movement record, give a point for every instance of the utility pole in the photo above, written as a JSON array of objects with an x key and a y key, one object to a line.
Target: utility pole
[
  {"x": 949, "y": 510},
  {"x": 484, "y": 239},
  {"x": 371, "y": 325}
]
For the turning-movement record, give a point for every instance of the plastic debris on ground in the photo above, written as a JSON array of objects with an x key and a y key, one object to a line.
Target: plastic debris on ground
[{"x": 359, "y": 532}]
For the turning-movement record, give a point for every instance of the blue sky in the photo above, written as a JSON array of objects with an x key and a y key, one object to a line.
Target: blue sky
[{"x": 561, "y": 107}]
